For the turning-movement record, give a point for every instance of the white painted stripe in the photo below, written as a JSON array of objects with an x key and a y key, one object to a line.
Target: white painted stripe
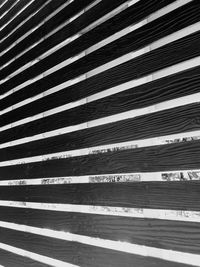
[
  {"x": 3, "y": 3},
  {"x": 16, "y": 15},
  {"x": 160, "y": 214},
  {"x": 107, "y": 92},
  {"x": 14, "y": 4},
  {"x": 60, "y": 45},
  {"x": 23, "y": 22},
  {"x": 49, "y": 34},
  {"x": 35, "y": 27},
  {"x": 165, "y": 176},
  {"x": 164, "y": 10},
  {"x": 169, "y": 255},
  {"x": 35, "y": 256},
  {"x": 194, "y": 98},
  {"x": 155, "y": 141}
]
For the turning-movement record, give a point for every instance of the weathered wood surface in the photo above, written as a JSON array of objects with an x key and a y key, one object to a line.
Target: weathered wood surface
[{"x": 105, "y": 213}]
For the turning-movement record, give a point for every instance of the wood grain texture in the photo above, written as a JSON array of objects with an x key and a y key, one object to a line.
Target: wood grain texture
[
  {"x": 6, "y": 6},
  {"x": 120, "y": 21},
  {"x": 13, "y": 11},
  {"x": 158, "y": 124},
  {"x": 179, "y": 197},
  {"x": 12, "y": 260},
  {"x": 171, "y": 121},
  {"x": 87, "y": 256},
  {"x": 33, "y": 7},
  {"x": 43, "y": 13},
  {"x": 75, "y": 7},
  {"x": 124, "y": 101},
  {"x": 155, "y": 195},
  {"x": 173, "y": 235},
  {"x": 174, "y": 21}
]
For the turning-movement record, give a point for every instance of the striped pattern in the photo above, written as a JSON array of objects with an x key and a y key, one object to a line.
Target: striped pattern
[{"x": 99, "y": 133}]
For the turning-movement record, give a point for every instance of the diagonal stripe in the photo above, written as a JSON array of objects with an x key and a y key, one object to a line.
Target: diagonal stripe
[
  {"x": 172, "y": 176},
  {"x": 156, "y": 141},
  {"x": 160, "y": 214},
  {"x": 35, "y": 256},
  {"x": 169, "y": 255}
]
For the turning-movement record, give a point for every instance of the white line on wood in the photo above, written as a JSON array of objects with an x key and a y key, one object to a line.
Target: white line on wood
[
  {"x": 35, "y": 256},
  {"x": 146, "y": 251},
  {"x": 159, "y": 214},
  {"x": 190, "y": 99},
  {"x": 165, "y": 176},
  {"x": 155, "y": 141},
  {"x": 152, "y": 17}
]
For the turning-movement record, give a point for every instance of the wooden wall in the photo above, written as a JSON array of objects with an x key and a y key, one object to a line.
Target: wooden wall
[{"x": 100, "y": 133}]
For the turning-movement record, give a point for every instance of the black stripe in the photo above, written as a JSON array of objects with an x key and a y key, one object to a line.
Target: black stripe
[
  {"x": 76, "y": 253},
  {"x": 34, "y": 21},
  {"x": 100, "y": 9},
  {"x": 158, "y": 195},
  {"x": 13, "y": 260},
  {"x": 178, "y": 156},
  {"x": 33, "y": 7},
  {"x": 13, "y": 11},
  {"x": 6, "y": 6},
  {"x": 172, "y": 235},
  {"x": 172, "y": 121},
  {"x": 122, "y": 20},
  {"x": 121, "y": 102},
  {"x": 155, "y": 30}
]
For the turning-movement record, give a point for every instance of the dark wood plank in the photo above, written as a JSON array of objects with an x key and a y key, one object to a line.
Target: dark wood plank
[
  {"x": 6, "y": 6},
  {"x": 166, "y": 234},
  {"x": 69, "y": 11},
  {"x": 12, "y": 260},
  {"x": 158, "y": 195},
  {"x": 124, "y": 101},
  {"x": 76, "y": 253},
  {"x": 33, "y": 7},
  {"x": 13, "y": 11},
  {"x": 34, "y": 21},
  {"x": 175, "y": 156},
  {"x": 172, "y": 121},
  {"x": 174, "y": 21},
  {"x": 120, "y": 21}
]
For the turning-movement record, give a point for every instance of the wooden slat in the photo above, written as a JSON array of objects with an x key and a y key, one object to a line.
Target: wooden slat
[
  {"x": 175, "y": 235},
  {"x": 101, "y": 9},
  {"x": 120, "y": 21},
  {"x": 155, "y": 30},
  {"x": 32, "y": 8},
  {"x": 13, "y": 11},
  {"x": 6, "y": 6},
  {"x": 85, "y": 255},
  {"x": 13, "y": 260},
  {"x": 33, "y": 22},
  {"x": 117, "y": 103},
  {"x": 155, "y": 195}
]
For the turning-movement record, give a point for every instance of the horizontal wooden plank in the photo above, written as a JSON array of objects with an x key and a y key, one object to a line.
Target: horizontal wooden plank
[
  {"x": 155, "y": 195},
  {"x": 172, "y": 121},
  {"x": 32, "y": 8},
  {"x": 175, "y": 235},
  {"x": 6, "y": 6},
  {"x": 13, "y": 260},
  {"x": 76, "y": 253},
  {"x": 182, "y": 17},
  {"x": 76, "y": 6},
  {"x": 174, "y": 156},
  {"x": 124, "y": 101},
  {"x": 120, "y": 21},
  {"x": 13, "y": 11},
  {"x": 43, "y": 13}
]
